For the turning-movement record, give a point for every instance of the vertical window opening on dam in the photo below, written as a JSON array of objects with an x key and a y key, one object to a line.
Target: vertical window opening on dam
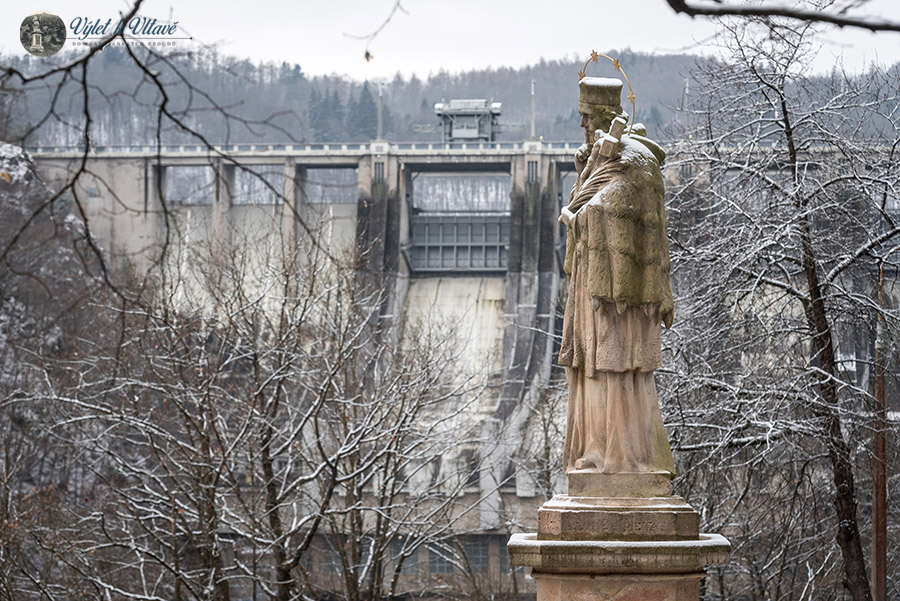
[
  {"x": 532, "y": 172},
  {"x": 332, "y": 186},
  {"x": 258, "y": 185},
  {"x": 190, "y": 185},
  {"x": 459, "y": 222},
  {"x": 461, "y": 192}
]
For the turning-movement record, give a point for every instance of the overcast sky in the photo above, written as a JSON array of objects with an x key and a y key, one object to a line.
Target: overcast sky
[{"x": 454, "y": 35}]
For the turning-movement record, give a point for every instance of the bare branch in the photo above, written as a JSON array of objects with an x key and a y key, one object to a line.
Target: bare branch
[{"x": 720, "y": 9}]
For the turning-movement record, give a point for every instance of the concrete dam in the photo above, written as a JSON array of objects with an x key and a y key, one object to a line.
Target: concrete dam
[{"x": 467, "y": 231}]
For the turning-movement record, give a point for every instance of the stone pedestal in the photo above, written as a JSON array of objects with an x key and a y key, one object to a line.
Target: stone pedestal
[
  {"x": 619, "y": 537},
  {"x": 620, "y": 519},
  {"x": 553, "y": 587}
]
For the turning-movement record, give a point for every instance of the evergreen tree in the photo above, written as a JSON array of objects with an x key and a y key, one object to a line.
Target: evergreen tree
[
  {"x": 387, "y": 121},
  {"x": 362, "y": 122},
  {"x": 352, "y": 125},
  {"x": 284, "y": 72},
  {"x": 334, "y": 117},
  {"x": 654, "y": 120},
  {"x": 288, "y": 74}
]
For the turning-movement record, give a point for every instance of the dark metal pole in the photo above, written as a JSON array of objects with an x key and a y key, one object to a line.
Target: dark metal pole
[
  {"x": 879, "y": 492},
  {"x": 532, "y": 110},
  {"x": 380, "y": 133},
  {"x": 879, "y": 467}
]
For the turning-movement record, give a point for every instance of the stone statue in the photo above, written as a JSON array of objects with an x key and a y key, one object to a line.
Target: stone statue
[
  {"x": 619, "y": 532},
  {"x": 617, "y": 263}
]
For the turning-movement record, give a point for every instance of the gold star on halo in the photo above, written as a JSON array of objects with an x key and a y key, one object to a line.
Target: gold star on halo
[
  {"x": 594, "y": 56},
  {"x": 631, "y": 96},
  {"x": 580, "y": 75},
  {"x": 616, "y": 64}
]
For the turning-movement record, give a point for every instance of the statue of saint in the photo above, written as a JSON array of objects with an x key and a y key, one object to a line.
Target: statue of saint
[{"x": 617, "y": 263}]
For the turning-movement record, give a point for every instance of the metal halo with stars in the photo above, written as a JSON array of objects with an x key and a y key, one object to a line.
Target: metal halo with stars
[{"x": 595, "y": 56}]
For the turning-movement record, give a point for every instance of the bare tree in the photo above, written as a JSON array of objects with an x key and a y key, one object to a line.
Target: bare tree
[
  {"x": 786, "y": 208},
  {"x": 224, "y": 412},
  {"x": 231, "y": 428}
]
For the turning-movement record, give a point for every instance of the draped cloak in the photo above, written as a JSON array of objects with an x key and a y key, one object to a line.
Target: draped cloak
[
  {"x": 620, "y": 227},
  {"x": 617, "y": 264}
]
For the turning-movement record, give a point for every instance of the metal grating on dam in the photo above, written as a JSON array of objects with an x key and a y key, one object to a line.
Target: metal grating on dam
[{"x": 459, "y": 242}]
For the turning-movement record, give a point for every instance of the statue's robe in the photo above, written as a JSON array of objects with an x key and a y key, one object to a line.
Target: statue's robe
[{"x": 617, "y": 263}]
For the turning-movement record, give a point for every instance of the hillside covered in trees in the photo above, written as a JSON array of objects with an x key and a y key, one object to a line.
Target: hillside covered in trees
[{"x": 231, "y": 100}]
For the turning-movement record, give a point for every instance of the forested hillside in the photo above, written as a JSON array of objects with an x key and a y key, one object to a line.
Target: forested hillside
[{"x": 231, "y": 100}]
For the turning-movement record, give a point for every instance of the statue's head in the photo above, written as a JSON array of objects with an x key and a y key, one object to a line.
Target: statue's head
[{"x": 599, "y": 101}]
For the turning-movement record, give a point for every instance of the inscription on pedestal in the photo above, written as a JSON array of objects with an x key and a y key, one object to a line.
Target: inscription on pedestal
[
  {"x": 579, "y": 518},
  {"x": 641, "y": 526}
]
